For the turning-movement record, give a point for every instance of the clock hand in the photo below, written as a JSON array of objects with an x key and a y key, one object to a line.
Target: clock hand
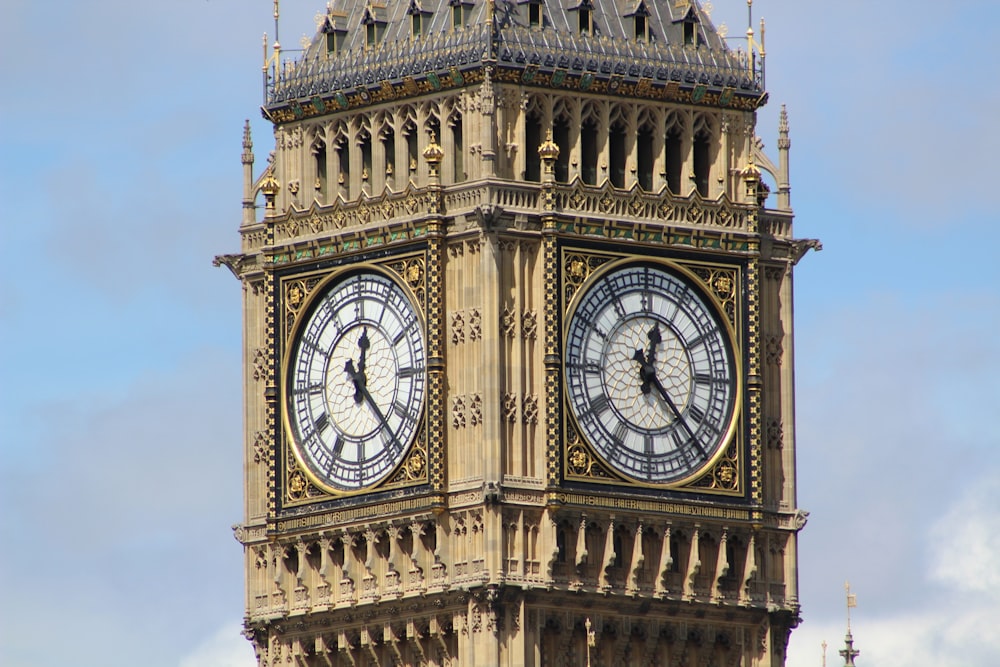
[
  {"x": 647, "y": 374},
  {"x": 378, "y": 415},
  {"x": 358, "y": 378},
  {"x": 647, "y": 369},
  {"x": 654, "y": 340},
  {"x": 363, "y": 344},
  {"x": 677, "y": 414}
]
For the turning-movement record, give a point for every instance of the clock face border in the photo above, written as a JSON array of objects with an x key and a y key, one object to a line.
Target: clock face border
[
  {"x": 410, "y": 468},
  {"x": 723, "y": 471}
]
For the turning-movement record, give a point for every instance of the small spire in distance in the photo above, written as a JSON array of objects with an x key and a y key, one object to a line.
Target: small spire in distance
[{"x": 849, "y": 653}]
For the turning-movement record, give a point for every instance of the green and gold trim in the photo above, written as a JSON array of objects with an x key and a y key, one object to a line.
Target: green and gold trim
[
  {"x": 724, "y": 474},
  {"x": 295, "y": 294}
]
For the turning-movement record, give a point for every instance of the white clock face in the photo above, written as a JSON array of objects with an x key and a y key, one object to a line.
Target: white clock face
[
  {"x": 650, "y": 373},
  {"x": 356, "y": 381}
]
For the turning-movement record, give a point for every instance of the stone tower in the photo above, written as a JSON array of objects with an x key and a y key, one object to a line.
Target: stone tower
[{"x": 518, "y": 343}]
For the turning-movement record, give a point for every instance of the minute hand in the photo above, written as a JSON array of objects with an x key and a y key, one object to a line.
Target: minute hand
[
  {"x": 677, "y": 413},
  {"x": 358, "y": 375}
]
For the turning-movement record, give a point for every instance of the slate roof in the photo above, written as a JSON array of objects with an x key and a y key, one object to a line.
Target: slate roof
[{"x": 501, "y": 35}]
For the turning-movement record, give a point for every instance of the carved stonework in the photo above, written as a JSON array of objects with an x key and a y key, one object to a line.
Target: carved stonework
[
  {"x": 775, "y": 434},
  {"x": 529, "y": 409},
  {"x": 529, "y": 325},
  {"x": 476, "y": 410},
  {"x": 773, "y": 349},
  {"x": 458, "y": 412},
  {"x": 259, "y": 364},
  {"x": 508, "y": 322},
  {"x": 475, "y": 325},
  {"x": 509, "y": 407},
  {"x": 260, "y": 445},
  {"x": 457, "y": 328}
]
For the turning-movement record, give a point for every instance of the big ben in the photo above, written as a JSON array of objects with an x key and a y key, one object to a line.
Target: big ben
[{"x": 518, "y": 343}]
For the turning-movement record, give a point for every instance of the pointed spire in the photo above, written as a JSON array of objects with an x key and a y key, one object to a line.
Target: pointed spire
[
  {"x": 783, "y": 141},
  {"x": 247, "y": 144},
  {"x": 849, "y": 653}
]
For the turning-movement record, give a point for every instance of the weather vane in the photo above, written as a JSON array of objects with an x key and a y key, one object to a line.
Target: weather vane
[{"x": 852, "y": 601}]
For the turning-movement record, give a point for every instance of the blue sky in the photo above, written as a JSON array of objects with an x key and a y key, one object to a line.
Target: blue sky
[{"x": 121, "y": 415}]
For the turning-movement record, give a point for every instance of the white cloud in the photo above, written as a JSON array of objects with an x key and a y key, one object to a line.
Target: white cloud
[
  {"x": 226, "y": 648},
  {"x": 952, "y": 623},
  {"x": 950, "y": 634},
  {"x": 966, "y": 541}
]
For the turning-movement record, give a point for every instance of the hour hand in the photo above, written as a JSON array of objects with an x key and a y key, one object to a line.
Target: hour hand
[
  {"x": 363, "y": 345},
  {"x": 654, "y": 340},
  {"x": 358, "y": 378},
  {"x": 647, "y": 372}
]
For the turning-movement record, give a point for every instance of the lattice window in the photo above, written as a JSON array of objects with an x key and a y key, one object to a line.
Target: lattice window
[
  {"x": 702, "y": 153},
  {"x": 645, "y": 159},
  {"x": 674, "y": 147},
  {"x": 589, "y": 136}
]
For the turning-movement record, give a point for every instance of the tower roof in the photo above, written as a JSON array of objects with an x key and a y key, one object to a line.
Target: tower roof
[{"x": 367, "y": 50}]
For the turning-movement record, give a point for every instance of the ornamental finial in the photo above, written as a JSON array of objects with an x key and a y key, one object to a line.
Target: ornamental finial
[
  {"x": 433, "y": 153},
  {"x": 548, "y": 149}
]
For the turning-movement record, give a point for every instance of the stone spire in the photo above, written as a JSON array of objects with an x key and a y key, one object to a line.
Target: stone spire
[
  {"x": 849, "y": 653},
  {"x": 249, "y": 215}
]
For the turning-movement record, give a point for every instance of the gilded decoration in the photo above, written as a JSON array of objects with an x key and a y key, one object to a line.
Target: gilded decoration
[
  {"x": 724, "y": 475},
  {"x": 550, "y": 267},
  {"x": 412, "y": 470},
  {"x": 722, "y": 283},
  {"x": 577, "y": 267},
  {"x": 296, "y": 292},
  {"x": 581, "y": 464}
]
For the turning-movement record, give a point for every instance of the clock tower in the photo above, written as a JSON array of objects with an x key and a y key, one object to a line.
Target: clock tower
[{"x": 518, "y": 343}]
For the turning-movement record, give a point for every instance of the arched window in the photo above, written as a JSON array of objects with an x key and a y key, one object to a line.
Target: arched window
[
  {"x": 340, "y": 145},
  {"x": 532, "y": 139},
  {"x": 410, "y": 133},
  {"x": 319, "y": 161},
  {"x": 644, "y": 156},
  {"x": 365, "y": 147},
  {"x": 673, "y": 145},
  {"x": 702, "y": 155},
  {"x": 588, "y": 147},
  {"x": 457, "y": 161},
  {"x": 388, "y": 139},
  {"x": 560, "y": 135},
  {"x": 616, "y": 153}
]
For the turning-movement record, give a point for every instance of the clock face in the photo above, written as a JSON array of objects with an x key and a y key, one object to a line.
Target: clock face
[
  {"x": 650, "y": 373},
  {"x": 355, "y": 381}
]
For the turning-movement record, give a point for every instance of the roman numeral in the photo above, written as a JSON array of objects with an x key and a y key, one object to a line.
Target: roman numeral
[
  {"x": 697, "y": 413},
  {"x": 700, "y": 340},
  {"x": 621, "y": 430},
  {"x": 312, "y": 389},
  {"x": 599, "y": 404},
  {"x": 322, "y": 422}
]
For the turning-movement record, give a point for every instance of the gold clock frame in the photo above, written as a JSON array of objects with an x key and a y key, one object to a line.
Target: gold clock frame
[
  {"x": 719, "y": 284},
  {"x": 298, "y": 293}
]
